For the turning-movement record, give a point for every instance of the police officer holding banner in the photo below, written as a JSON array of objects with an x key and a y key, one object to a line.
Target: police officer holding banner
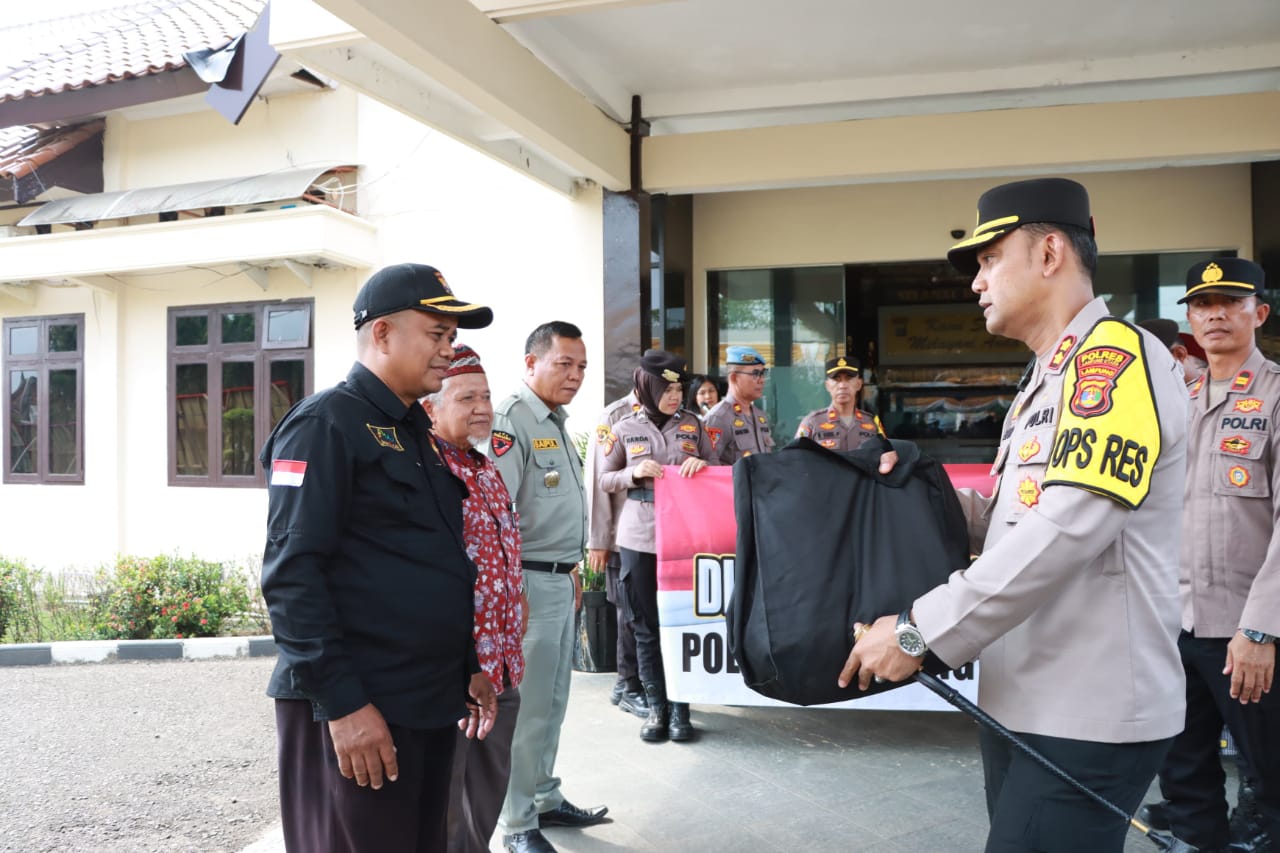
[
  {"x": 842, "y": 426},
  {"x": 735, "y": 425},
  {"x": 1230, "y": 582},
  {"x": 1072, "y": 604}
]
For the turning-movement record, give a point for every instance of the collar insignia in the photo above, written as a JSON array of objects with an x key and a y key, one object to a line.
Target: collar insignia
[{"x": 1064, "y": 349}]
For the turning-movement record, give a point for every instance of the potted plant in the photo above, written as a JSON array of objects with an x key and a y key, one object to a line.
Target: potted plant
[{"x": 595, "y": 647}]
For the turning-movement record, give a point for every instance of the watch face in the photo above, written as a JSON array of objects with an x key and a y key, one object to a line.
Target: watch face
[{"x": 910, "y": 641}]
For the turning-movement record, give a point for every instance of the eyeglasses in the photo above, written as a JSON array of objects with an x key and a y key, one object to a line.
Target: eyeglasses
[{"x": 754, "y": 374}]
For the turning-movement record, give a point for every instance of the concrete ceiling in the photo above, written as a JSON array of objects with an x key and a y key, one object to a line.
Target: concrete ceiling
[{"x": 725, "y": 64}]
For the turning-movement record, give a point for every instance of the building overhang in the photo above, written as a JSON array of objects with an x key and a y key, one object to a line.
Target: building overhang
[{"x": 300, "y": 239}]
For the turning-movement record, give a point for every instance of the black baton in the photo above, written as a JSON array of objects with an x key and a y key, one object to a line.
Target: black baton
[{"x": 952, "y": 697}]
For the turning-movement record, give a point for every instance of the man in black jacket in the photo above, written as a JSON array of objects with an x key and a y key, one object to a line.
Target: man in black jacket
[{"x": 369, "y": 586}]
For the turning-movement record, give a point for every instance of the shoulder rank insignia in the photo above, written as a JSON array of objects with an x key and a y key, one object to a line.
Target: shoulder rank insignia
[
  {"x": 1194, "y": 390},
  {"x": 1108, "y": 439},
  {"x": 1060, "y": 354},
  {"x": 1242, "y": 381},
  {"x": 737, "y": 407},
  {"x": 1248, "y": 405},
  {"x": 501, "y": 442},
  {"x": 386, "y": 437}
]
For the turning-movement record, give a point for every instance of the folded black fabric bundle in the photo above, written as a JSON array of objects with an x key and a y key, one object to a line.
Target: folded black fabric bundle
[{"x": 825, "y": 540}]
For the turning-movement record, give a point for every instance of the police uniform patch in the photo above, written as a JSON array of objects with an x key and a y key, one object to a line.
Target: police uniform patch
[
  {"x": 688, "y": 427},
  {"x": 828, "y": 443},
  {"x": 1242, "y": 380},
  {"x": 714, "y": 433},
  {"x": 386, "y": 437},
  {"x": 1237, "y": 444},
  {"x": 501, "y": 442},
  {"x": 1028, "y": 492},
  {"x": 803, "y": 432},
  {"x": 867, "y": 427},
  {"x": 603, "y": 433},
  {"x": 637, "y": 449},
  {"x": 1239, "y": 476},
  {"x": 1096, "y": 372},
  {"x": 827, "y": 426},
  {"x": 1029, "y": 448},
  {"x": 1247, "y": 405},
  {"x": 545, "y": 444},
  {"x": 1060, "y": 354},
  {"x": 1108, "y": 438},
  {"x": 739, "y": 422},
  {"x": 689, "y": 446},
  {"x": 760, "y": 418}
]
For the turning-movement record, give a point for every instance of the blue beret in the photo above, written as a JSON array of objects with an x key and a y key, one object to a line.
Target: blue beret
[{"x": 743, "y": 355}]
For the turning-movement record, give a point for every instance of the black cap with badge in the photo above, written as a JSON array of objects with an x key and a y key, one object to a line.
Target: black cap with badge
[
  {"x": 418, "y": 286},
  {"x": 664, "y": 365},
  {"x": 843, "y": 364},
  {"x": 1004, "y": 208},
  {"x": 1232, "y": 276}
]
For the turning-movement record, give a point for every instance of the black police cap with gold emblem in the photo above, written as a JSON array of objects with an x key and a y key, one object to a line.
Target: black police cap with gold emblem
[
  {"x": 1232, "y": 276},
  {"x": 1007, "y": 207},
  {"x": 843, "y": 364},
  {"x": 664, "y": 365},
  {"x": 418, "y": 286}
]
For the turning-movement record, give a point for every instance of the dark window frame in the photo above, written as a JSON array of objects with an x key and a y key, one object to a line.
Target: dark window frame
[
  {"x": 215, "y": 354},
  {"x": 43, "y": 361}
]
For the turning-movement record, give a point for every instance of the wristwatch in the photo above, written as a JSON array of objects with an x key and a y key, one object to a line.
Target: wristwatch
[
  {"x": 910, "y": 640},
  {"x": 1257, "y": 636}
]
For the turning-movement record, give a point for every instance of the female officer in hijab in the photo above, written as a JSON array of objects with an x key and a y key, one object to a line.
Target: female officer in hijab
[{"x": 660, "y": 432}]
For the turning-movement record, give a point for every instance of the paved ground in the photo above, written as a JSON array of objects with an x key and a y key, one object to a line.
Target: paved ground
[{"x": 178, "y": 756}]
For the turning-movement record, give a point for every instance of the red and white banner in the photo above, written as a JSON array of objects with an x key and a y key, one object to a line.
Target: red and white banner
[{"x": 696, "y": 544}]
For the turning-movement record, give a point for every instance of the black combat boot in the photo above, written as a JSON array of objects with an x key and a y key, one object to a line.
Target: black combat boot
[
  {"x": 654, "y": 728},
  {"x": 632, "y": 700},
  {"x": 1246, "y": 820},
  {"x": 681, "y": 728}
]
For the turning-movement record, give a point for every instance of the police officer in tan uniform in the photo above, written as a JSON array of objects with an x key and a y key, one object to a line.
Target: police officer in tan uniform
[
  {"x": 634, "y": 453},
  {"x": 1230, "y": 580},
  {"x": 735, "y": 425},
  {"x": 842, "y": 426},
  {"x": 602, "y": 556},
  {"x": 1072, "y": 604}
]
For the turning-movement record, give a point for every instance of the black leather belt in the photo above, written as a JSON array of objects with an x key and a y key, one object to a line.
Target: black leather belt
[
  {"x": 553, "y": 568},
  {"x": 645, "y": 495}
]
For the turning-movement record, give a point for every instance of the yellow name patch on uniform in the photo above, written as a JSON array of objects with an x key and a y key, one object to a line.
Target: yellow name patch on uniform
[
  {"x": 1108, "y": 437},
  {"x": 545, "y": 444}
]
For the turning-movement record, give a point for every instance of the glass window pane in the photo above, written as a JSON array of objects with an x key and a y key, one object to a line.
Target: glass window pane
[
  {"x": 238, "y": 446},
  {"x": 288, "y": 386},
  {"x": 24, "y": 423},
  {"x": 192, "y": 331},
  {"x": 191, "y": 407},
  {"x": 64, "y": 457},
  {"x": 24, "y": 340},
  {"x": 63, "y": 338},
  {"x": 239, "y": 328},
  {"x": 287, "y": 326}
]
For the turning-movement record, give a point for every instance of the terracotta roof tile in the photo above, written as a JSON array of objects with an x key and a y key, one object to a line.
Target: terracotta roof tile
[
  {"x": 99, "y": 47},
  {"x": 25, "y": 149}
]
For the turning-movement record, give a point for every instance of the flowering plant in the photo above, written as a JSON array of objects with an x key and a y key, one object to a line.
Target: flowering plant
[{"x": 169, "y": 596}]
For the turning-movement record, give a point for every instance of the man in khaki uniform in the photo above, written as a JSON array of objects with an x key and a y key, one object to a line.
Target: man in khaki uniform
[
  {"x": 1073, "y": 603},
  {"x": 602, "y": 556},
  {"x": 842, "y": 426},
  {"x": 736, "y": 427},
  {"x": 1230, "y": 580}
]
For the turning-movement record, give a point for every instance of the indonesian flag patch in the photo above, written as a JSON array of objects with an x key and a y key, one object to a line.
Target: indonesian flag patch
[{"x": 288, "y": 472}]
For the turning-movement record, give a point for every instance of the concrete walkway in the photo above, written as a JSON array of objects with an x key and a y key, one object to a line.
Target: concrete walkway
[{"x": 770, "y": 780}]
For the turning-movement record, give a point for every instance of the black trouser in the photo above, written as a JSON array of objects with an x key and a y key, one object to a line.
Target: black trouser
[
  {"x": 1192, "y": 779},
  {"x": 639, "y": 578},
  {"x": 322, "y": 811},
  {"x": 1033, "y": 810},
  {"x": 626, "y": 636}
]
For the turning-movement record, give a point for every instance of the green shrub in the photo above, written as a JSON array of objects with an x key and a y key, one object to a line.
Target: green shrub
[
  {"x": 36, "y": 607},
  {"x": 9, "y": 592},
  {"x": 170, "y": 596}
]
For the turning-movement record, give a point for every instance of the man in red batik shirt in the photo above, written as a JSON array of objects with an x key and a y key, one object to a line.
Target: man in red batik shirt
[{"x": 462, "y": 415}]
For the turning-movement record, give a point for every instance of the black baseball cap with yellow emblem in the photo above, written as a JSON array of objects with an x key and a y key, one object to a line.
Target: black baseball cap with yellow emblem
[
  {"x": 843, "y": 364},
  {"x": 1007, "y": 207},
  {"x": 664, "y": 365},
  {"x": 1232, "y": 276},
  {"x": 418, "y": 286}
]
